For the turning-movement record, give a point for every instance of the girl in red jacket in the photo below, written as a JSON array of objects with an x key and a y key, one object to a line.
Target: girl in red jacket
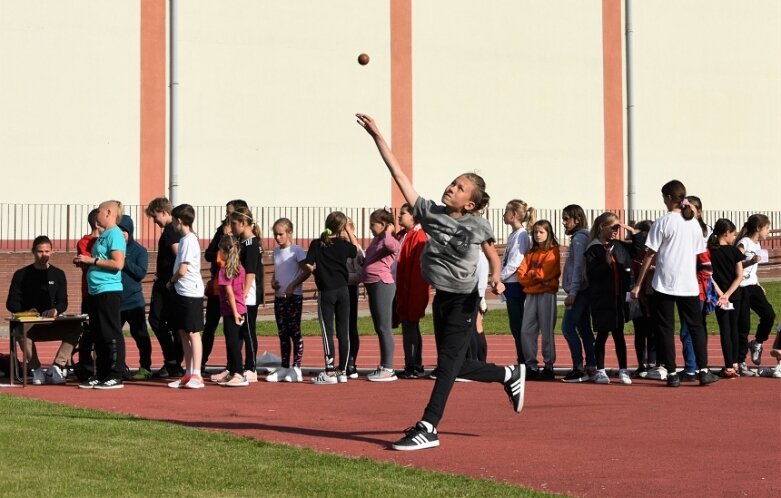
[
  {"x": 412, "y": 291},
  {"x": 539, "y": 274}
]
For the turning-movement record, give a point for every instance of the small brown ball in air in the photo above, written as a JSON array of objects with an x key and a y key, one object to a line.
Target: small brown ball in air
[{"x": 363, "y": 59}]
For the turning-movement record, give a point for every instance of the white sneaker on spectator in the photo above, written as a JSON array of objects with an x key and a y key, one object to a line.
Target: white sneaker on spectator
[
  {"x": 602, "y": 377},
  {"x": 251, "y": 376},
  {"x": 623, "y": 376}
]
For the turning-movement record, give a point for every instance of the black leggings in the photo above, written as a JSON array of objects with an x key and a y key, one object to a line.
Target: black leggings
[
  {"x": 333, "y": 306},
  {"x": 233, "y": 340},
  {"x": 355, "y": 339},
  {"x": 645, "y": 340},
  {"x": 287, "y": 312},
  {"x": 728, "y": 331},
  {"x": 209, "y": 327},
  {"x": 250, "y": 337},
  {"x": 618, "y": 339},
  {"x": 753, "y": 299}
]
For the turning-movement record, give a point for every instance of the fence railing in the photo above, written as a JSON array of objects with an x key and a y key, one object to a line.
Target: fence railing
[{"x": 65, "y": 224}]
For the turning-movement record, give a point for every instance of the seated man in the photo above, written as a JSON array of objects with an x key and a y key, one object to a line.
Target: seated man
[{"x": 43, "y": 287}]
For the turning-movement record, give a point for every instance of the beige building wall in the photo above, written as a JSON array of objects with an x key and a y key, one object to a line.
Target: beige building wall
[
  {"x": 268, "y": 94},
  {"x": 708, "y": 100},
  {"x": 69, "y": 114},
  {"x": 511, "y": 89}
]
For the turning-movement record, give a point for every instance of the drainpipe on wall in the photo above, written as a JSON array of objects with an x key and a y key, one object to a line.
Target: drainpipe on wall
[
  {"x": 630, "y": 106},
  {"x": 173, "y": 170}
]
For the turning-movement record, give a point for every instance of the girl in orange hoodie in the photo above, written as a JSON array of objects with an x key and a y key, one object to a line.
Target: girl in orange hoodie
[{"x": 539, "y": 274}]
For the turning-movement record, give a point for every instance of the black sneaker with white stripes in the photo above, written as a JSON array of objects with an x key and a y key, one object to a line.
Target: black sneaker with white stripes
[
  {"x": 417, "y": 438},
  {"x": 89, "y": 383},
  {"x": 110, "y": 384},
  {"x": 515, "y": 386}
]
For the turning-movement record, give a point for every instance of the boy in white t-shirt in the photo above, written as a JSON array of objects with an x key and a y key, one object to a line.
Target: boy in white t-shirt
[
  {"x": 675, "y": 240},
  {"x": 188, "y": 306}
]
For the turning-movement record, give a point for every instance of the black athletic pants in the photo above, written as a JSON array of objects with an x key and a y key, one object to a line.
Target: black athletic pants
[
  {"x": 107, "y": 335},
  {"x": 454, "y": 316},
  {"x": 159, "y": 310},
  {"x": 690, "y": 313}
]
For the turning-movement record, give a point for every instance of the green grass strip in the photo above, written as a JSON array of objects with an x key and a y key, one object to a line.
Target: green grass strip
[
  {"x": 56, "y": 450},
  {"x": 496, "y": 321}
]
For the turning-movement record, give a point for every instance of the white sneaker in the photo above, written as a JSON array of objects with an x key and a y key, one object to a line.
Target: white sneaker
[
  {"x": 238, "y": 380},
  {"x": 220, "y": 377},
  {"x": 623, "y": 376},
  {"x": 745, "y": 371},
  {"x": 658, "y": 373},
  {"x": 755, "y": 348},
  {"x": 54, "y": 375},
  {"x": 251, "y": 376},
  {"x": 39, "y": 377},
  {"x": 293, "y": 375},
  {"x": 324, "y": 378},
  {"x": 774, "y": 372},
  {"x": 277, "y": 375},
  {"x": 382, "y": 375},
  {"x": 341, "y": 377},
  {"x": 602, "y": 377},
  {"x": 195, "y": 382}
]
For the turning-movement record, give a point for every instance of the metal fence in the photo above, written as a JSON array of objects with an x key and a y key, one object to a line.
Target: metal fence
[{"x": 65, "y": 224}]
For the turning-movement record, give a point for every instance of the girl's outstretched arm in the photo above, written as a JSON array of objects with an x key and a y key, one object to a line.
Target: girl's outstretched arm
[{"x": 407, "y": 190}]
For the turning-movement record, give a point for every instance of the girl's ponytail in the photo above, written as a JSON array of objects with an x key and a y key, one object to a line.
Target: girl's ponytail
[
  {"x": 530, "y": 218},
  {"x": 686, "y": 210},
  {"x": 334, "y": 225},
  {"x": 526, "y": 213},
  {"x": 229, "y": 245},
  {"x": 752, "y": 225},
  {"x": 722, "y": 226}
]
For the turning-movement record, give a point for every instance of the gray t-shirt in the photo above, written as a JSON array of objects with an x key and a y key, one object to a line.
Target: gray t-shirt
[{"x": 449, "y": 260}]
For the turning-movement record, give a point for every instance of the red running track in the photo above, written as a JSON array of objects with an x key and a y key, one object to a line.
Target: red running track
[{"x": 584, "y": 440}]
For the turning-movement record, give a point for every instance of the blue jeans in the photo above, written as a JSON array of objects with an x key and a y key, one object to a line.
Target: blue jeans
[
  {"x": 576, "y": 327},
  {"x": 689, "y": 359}
]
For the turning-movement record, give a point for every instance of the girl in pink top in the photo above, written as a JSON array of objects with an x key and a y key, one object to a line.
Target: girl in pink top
[
  {"x": 381, "y": 288},
  {"x": 233, "y": 309}
]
